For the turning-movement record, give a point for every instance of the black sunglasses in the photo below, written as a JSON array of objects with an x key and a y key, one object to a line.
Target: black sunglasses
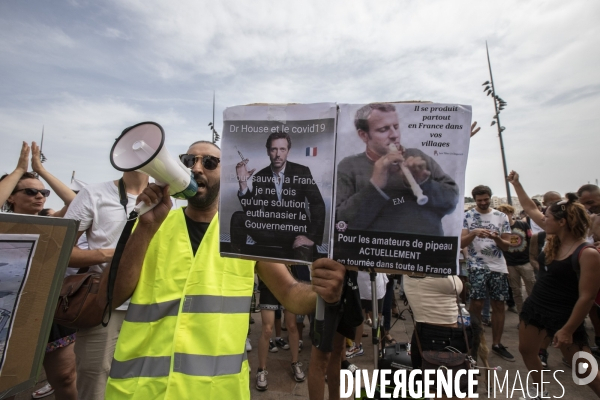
[
  {"x": 208, "y": 162},
  {"x": 34, "y": 192}
]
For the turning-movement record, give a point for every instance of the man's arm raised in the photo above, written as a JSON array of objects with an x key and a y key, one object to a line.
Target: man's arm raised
[{"x": 130, "y": 266}]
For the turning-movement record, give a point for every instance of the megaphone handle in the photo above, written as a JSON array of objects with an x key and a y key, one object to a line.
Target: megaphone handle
[
  {"x": 142, "y": 208},
  {"x": 320, "y": 311},
  {"x": 319, "y": 325}
]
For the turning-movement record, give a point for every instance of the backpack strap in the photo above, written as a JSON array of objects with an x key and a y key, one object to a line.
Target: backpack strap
[
  {"x": 114, "y": 265},
  {"x": 123, "y": 195}
]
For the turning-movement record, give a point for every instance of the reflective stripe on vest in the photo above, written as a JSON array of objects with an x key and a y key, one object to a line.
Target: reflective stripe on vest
[
  {"x": 191, "y": 304},
  {"x": 165, "y": 352},
  {"x": 152, "y": 312},
  {"x": 189, "y": 364},
  {"x": 216, "y": 304},
  {"x": 144, "y": 366},
  {"x": 198, "y": 365}
]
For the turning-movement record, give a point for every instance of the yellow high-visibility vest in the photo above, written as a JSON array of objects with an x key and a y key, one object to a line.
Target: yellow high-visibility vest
[{"x": 184, "y": 336}]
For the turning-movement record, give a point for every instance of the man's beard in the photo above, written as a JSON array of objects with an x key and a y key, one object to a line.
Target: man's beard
[{"x": 208, "y": 198}]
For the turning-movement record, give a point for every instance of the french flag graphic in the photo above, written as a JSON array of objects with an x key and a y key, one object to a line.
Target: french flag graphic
[{"x": 311, "y": 152}]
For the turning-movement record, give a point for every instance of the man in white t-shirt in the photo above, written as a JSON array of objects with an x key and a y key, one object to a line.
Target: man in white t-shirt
[
  {"x": 486, "y": 232},
  {"x": 102, "y": 217}
]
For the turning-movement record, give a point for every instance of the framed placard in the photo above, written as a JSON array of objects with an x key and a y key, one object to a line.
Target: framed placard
[{"x": 34, "y": 253}]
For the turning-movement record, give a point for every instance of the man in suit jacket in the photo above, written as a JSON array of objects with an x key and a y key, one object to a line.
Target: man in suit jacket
[{"x": 284, "y": 208}]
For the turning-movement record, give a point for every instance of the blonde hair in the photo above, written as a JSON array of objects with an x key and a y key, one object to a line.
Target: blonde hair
[{"x": 506, "y": 209}]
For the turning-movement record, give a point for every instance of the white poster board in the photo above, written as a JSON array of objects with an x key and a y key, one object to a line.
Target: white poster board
[
  {"x": 277, "y": 165},
  {"x": 389, "y": 178},
  {"x": 384, "y": 218}
]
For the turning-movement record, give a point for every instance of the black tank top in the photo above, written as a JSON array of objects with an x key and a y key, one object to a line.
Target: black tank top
[{"x": 557, "y": 287}]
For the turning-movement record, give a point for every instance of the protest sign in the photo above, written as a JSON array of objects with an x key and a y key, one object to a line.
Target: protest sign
[
  {"x": 16, "y": 252},
  {"x": 35, "y": 252},
  {"x": 400, "y": 171},
  {"x": 277, "y": 165}
]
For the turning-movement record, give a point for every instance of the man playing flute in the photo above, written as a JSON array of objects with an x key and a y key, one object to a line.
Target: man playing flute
[{"x": 372, "y": 191}]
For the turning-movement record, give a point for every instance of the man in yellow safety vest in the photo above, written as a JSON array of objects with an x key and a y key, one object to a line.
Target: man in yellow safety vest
[{"x": 184, "y": 333}]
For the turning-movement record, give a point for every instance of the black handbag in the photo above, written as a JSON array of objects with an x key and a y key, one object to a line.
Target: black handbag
[{"x": 450, "y": 358}]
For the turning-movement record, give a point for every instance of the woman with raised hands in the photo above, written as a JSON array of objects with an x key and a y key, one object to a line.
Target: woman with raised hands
[
  {"x": 23, "y": 193},
  {"x": 568, "y": 282},
  {"x": 8, "y": 182}
]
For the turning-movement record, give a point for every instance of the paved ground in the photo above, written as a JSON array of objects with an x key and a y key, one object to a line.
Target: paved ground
[{"x": 282, "y": 385}]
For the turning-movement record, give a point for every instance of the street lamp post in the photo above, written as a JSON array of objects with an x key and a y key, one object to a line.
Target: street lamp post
[{"x": 499, "y": 105}]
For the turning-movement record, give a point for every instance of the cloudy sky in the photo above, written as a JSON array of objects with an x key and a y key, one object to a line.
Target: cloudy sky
[{"x": 85, "y": 70}]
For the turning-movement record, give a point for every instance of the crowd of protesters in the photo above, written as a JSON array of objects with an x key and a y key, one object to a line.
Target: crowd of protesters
[{"x": 551, "y": 250}]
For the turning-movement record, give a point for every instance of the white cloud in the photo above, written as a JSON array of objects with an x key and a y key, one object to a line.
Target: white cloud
[
  {"x": 113, "y": 33},
  {"x": 80, "y": 132},
  {"x": 87, "y": 70}
]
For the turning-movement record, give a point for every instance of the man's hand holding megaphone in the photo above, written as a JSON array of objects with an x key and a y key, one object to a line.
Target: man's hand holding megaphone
[{"x": 159, "y": 196}]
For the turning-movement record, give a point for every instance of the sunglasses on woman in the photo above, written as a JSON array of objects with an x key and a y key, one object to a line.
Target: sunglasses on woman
[
  {"x": 34, "y": 192},
  {"x": 208, "y": 162}
]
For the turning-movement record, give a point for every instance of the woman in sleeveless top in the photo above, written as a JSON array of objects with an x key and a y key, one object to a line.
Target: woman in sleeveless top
[
  {"x": 21, "y": 192},
  {"x": 568, "y": 282}
]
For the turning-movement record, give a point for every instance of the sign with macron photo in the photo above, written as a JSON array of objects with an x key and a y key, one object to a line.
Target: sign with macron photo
[
  {"x": 400, "y": 172},
  {"x": 372, "y": 186}
]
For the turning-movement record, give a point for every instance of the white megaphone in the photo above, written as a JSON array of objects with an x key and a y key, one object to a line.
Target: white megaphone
[{"x": 141, "y": 148}]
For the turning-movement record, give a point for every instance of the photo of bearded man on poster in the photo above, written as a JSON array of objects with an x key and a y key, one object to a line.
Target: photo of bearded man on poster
[{"x": 284, "y": 194}]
